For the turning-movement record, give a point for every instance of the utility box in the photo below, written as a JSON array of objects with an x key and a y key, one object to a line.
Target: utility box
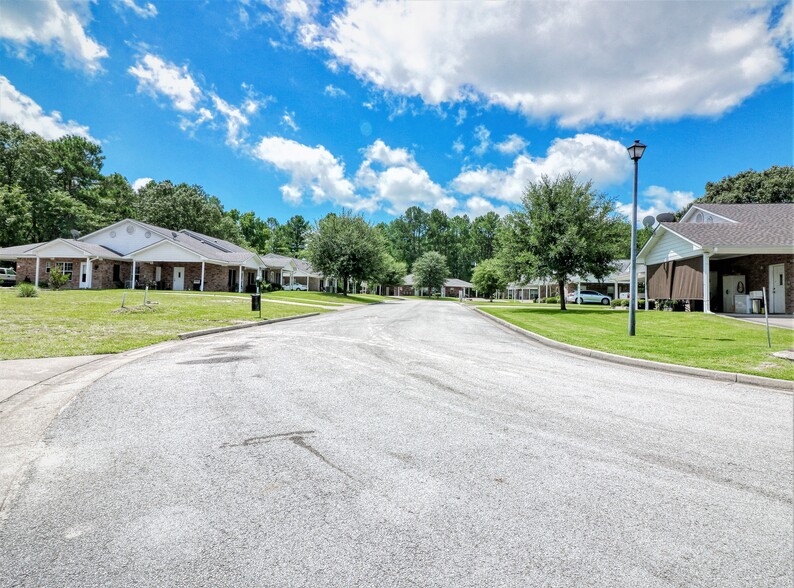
[
  {"x": 742, "y": 303},
  {"x": 256, "y": 302}
]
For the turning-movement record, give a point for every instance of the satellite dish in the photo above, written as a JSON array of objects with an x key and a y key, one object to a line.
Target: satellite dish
[
  {"x": 75, "y": 233},
  {"x": 666, "y": 217},
  {"x": 648, "y": 221}
]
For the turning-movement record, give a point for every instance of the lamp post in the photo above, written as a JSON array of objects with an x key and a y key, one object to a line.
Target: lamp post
[{"x": 635, "y": 153}]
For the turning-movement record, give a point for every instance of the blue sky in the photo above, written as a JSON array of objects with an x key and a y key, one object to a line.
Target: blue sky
[{"x": 304, "y": 107}]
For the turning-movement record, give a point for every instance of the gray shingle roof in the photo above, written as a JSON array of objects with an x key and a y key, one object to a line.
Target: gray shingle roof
[
  {"x": 771, "y": 214},
  {"x": 742, "y": 234}
]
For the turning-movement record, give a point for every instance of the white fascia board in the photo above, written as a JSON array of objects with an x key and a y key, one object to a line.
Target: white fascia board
[
  {"x": 166, "y": 242},
  {"x": 43, "y": 247}
]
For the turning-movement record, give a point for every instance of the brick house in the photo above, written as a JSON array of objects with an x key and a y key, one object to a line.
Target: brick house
[
  {"x": 133, "y": 254},
  {"x": 452, "y": 287},
  {"x": 719, "y": 257}
]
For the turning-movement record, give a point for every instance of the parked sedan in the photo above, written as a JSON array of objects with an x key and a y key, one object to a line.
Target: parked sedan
[
  {"x": 295, "y": 286},
  {"x": 589, "y": 296}
]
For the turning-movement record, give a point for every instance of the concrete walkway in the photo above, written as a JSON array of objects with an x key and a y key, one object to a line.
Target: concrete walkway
[
  {"x": 19, "y": 374},
  {"x": 784, "y": 321}
]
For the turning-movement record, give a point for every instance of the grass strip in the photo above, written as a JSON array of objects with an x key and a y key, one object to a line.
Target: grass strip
[
  {"x": 87, "y": 322},
  {"x": 683, "y": 338}
]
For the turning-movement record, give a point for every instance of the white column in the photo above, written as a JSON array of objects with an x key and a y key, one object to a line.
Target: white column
[
  {"x": 36, "y": 280},
  {"x": 646, "y": 287},
  {"x": 201, "y": 286},
  {"x": 132, "y": 277},
  {"x": 240, "y": 279},
  {"x": 291, "y": 279},
  {"x": 706, "y": 284}
]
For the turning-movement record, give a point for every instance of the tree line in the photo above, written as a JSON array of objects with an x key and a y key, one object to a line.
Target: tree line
[{"x": 48, "y": 189}]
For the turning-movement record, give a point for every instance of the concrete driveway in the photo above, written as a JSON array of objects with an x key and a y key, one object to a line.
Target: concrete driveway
[{"x": 404, "y": 444}]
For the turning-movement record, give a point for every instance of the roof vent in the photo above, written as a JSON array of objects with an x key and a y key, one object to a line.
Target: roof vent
[{"x": 173, "y": 234}]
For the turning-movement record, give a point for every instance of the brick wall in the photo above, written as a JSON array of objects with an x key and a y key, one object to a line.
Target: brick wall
[
  {"x": 756, "y": 270},
  {"x": 26, "y": 268}
]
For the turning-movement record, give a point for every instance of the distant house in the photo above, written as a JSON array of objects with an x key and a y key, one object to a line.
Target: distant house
[
  {"x": 452, "y": 287},
  {"x": 134, "y": 254},
  {"x": 719, "y": 257},
  {"x": 288, "y": 271},
  {"x": 614, "y": 285}
]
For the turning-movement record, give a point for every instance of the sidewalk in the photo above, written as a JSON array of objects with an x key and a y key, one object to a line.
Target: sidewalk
[{"x": 19, "y": 374}]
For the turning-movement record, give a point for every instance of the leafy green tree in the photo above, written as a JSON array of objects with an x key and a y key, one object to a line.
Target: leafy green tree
[
  {"x": 294, "y": 234},
  {"x": 277, "y": 243},
  {"x": 774, "y": 185},
  {"x": 430, "y": 271},
  {"x": 255, "y": 231},
  {"x": 15, "y": 221},
  {"x": 643, "y": 234},
  {"x": 78, "y": 164},
  {"x": 346, "y": 246},
  {"x": 391, "y": 272},
  {"x": 116, "y": 198},
  {"x": 489, "y": 277},
  {"x": 563, "y": 228},
  {"x": 483, "y": 233}
]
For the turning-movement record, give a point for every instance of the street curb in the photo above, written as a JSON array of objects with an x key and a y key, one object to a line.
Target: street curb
[
  {"x": 203, "y": 332},
  {"x": 782, "y": 385}
]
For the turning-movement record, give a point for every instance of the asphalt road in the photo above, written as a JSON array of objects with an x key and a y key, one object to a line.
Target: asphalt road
[{"x": 404, "y": 444}]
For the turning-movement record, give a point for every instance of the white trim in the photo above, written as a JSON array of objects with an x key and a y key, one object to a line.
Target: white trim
[
  {"x": 163, "y": 243},
  {"x": 689, "y": 213}
]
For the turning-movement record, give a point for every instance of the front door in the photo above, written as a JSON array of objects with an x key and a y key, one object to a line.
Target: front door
[
  {"x": 179, "y": 278},
  {"x": 85, "y": 275},
  {"x": 777, "y": 289}
]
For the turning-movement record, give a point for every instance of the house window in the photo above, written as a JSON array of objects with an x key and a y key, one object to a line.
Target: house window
[
  {"x": 66, "y": 267},
  {"x": 47, "y": 268},
  {"x": 699, "y": 217}
]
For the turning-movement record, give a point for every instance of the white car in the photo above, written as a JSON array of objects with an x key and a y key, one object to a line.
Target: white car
[
  {"x": 8, "y": 277},
  {"x": 589, "y": 296},
  {"x": 295, "y": 286}
]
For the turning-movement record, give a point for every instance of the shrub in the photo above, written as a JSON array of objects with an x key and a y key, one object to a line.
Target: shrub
[
  {"x": 616, "y": 302},
  {"x": 57, "y": 278},
  {"x": 551, "y": 300},
  {"x": 27, "y": 290}
]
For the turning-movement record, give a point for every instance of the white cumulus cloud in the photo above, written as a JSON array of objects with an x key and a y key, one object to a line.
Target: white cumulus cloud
[
  {"x": 512, "y": 144},
  {"x": 589, "y": 156},
  {"x": 577, "y": 62},
  {"x": 54, "y": 25},
  {"x": 158, "y": 77},
  {"x": 18, "y": 108},
  {"x": 397, "y": 181},
  {"x": 313, "y": 171},
  {"x": 656, "y": 199}
]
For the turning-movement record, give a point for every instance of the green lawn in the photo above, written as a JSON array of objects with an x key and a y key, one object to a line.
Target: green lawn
[
  {"x": 693, "y": 339},
  {"x": 82, "y": 322}
]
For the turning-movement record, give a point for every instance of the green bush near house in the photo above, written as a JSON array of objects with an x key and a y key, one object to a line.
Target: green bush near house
[
  {"x": 57, "y": 278},
  {"x": 27, "y": 290}
]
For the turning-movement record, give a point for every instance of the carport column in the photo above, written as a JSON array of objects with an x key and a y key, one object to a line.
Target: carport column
[
  {"x": 201, "y": 286},
  {"x": 646, "y": 287},
  {"x": 36, "y": 281},
  {"x": 240, "y": 280},
  {"x": 706, "y": 284},
  {"x": 132, "y": 278}
]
